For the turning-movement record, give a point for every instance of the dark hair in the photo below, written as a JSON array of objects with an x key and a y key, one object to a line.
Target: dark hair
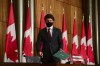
[{"x": 49, "y": 16}]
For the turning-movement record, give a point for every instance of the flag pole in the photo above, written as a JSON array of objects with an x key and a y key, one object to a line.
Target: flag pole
[
  {"x": 20, "y": 27},
  {"x": 32, "y": 21},
  {"x": 97, "y": 31}
]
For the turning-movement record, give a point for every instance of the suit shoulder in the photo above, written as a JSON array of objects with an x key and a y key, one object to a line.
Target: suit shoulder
[
  {"x": 57, "y": 29},
  {"x": 42, "y": 30}
]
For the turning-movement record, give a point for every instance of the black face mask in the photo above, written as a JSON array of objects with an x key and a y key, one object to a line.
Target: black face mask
[{"x": 49, "y": 24}]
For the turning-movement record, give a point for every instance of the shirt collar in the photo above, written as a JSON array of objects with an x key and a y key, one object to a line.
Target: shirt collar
[{"x": 50, "y": 27}]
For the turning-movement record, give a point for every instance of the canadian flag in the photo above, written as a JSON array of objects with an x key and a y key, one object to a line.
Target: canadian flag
[
  {"x": 90, "y": 53},
  {"x": 11, "y": 51},
  {"x": 83, "y": 42},
  {"x": 27, "y": 48},
  {"x": 42, "y": 23},
  {"x": 75, "y": 39},
  {"x": 64, "y": 39}
]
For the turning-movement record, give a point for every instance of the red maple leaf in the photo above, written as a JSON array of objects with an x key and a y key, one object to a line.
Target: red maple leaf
[
  {"x": 74, "y": 49},
  {"x": 65, "y": 45},
  {"x": 83, "y": 51},
  {"x": 11, "y": 48},
  {"x": 90, "y": 54},
  {"x": 28, "y": 46}
]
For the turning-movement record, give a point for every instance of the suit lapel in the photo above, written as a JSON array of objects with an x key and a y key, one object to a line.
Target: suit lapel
[
  {"x": 46, "y": 34},
  {"x": 53, "y": 33}
]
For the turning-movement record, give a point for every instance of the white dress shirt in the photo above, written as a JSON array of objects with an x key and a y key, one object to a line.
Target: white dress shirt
[{"x": 51, "y": 30}]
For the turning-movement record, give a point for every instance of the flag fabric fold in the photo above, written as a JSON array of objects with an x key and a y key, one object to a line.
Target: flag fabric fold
[
  {"x": 11, "y": 50},
  {"x": 27, "y": 47},
  {"x": 64, "y": 39},
  {"x": 76, "y": 58},
  {"x": 90, "y": 53},
  {"x": 83, "y": 42},
  {"x": 42, "y": 24},
  {"x": 75, "y": 39}
]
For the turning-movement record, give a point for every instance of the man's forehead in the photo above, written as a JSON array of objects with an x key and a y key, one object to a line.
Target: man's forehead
[{"x": 49, "y": 19}]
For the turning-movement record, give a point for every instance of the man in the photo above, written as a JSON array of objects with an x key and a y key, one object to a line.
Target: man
[{"x": 51, "y": 37}]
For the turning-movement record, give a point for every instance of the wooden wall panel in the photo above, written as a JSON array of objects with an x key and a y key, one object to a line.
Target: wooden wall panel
[
  {"x": 65, "y": 1},
  {"x": 0, "y": 32},
  {"x": 76, "y": 3},
  {"x": 4, "y": 26},
  {"x": 50, "y": 6},
  {"x": 0, "y": 41},
  {"x": 67, "y": 9},
  {"x": 60, "y": 0},
  {"x": 0, "y": 10},
  {"x": 36, "y": 33},
  {"x": 58, "y": 14},
  {"x": 73, "y": 9},
  {"x": 79, "y": 3},
  {"x": 69, "y": 42},
  {"x": 79, "y": 20},
  {"x": 5, "y": 10},
  {"x": 35, "y": 37}
]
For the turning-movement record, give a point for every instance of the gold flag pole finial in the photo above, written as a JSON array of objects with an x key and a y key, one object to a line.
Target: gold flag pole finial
[
  {"x": 83, "y": 16},
  {"x": 63, "y": 11},
  {"x": 11, "y": 1},
  {"x": 75, "y": 14},
  {"x": 28, "y": 3},
  {"x": 42, "y": 5},
  {"x": 89, "y": 18},
  {"x": 50, "y": 9}
]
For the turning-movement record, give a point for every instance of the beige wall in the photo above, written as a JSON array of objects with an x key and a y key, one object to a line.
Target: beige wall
[
  {"x": 57, "y": 10},
  {"x": 4, "y": 8}
]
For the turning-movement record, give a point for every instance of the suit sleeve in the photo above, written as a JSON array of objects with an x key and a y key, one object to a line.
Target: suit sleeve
[
  {"x": 38, "y": 43},
  {"x": 60, "y": 40}
]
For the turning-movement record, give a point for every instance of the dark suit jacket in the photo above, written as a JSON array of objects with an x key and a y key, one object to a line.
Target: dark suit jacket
[
  {"x": 50, "y": 46},
  {"x": 54, "y": 44}
]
